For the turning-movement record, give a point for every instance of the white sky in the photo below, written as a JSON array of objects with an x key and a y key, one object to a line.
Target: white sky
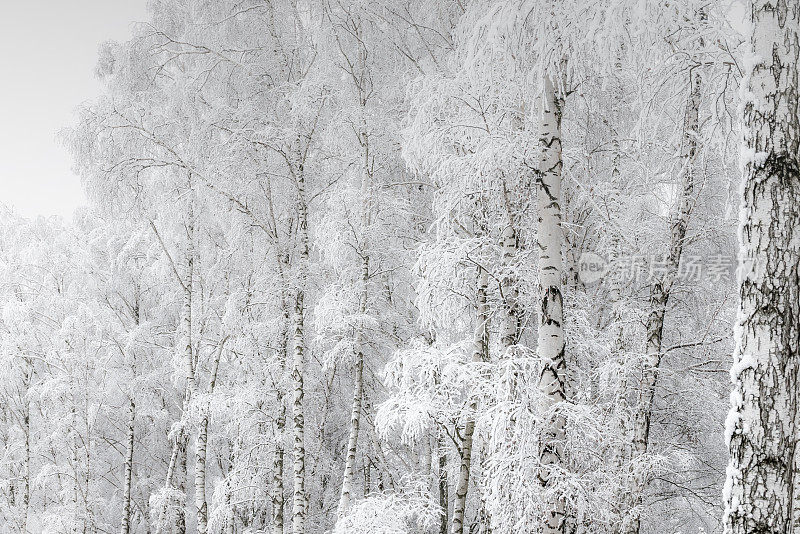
[{"x": 48, "y": 50}]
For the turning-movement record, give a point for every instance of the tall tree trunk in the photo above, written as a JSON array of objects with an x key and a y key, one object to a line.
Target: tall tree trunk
[
  {"x": 171, "y": 468},
  {"x": 479, "y": 354},
  {"x": 483, "y": 520},
  {"x": 230, "y": 521},
  {"x": 366, "y": 184},
  {"x": 278, "y": 460},
  {"x": 26, "y": 421},
  {"x": 201, "y": 446},
  {"x": 186, "y": 309},
  {"x": 551, "y": 341},
  {"x": 182, "y": 507},
  {"x": 201, "y": 506},
  {"x": 659, "y": 298},
  {"x": 441, "y": 455},
  {"x": 352, "y": 441},
  {"x": 277, "y": 471},
  {"x": 126, "y": 493},
  {"x": 618, "y": 350},
  {"x": 358, "y": 394},
  {"x": 762, "y": 425},
  {"x": 175, "y": 469},
  {"x": 510, "y": 323},
  {"x": 299, "y": 503},
  {"x": 443, "y": 497},
  {"x": 177, "y": 463},
  {"x": 126, "y": 499}
]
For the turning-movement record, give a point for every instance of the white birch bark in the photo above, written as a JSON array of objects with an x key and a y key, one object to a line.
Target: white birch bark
[
  {"x": 352, "y": 441},
  {"x": 201, "y": 443},
  {"x": 201, "y": 448},
  {"x": 299, "y": 503},
  {"x": 26, "y": 421},
  {"x": 441, "y": 452},
  {"x": 442, "y": 483},
  {"x": 355, "y": 416},
  {"x": 183, "y": 508},
  {"x": 277, "y": 471},
  {"x": 551, "y": 341},
  {"x": 186, "y": 308},
  {"x": 277, "y": 492},
  {"x": 479, "y": 354},
  {"x": 128, "y": 480},
  {"x": 762, "y": 427},
  {"x": 126, "y": 492},
  {"x": 510, "y": 322}
]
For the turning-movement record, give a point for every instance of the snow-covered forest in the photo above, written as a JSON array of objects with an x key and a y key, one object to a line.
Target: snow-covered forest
[{"x": 417, "y": 266}]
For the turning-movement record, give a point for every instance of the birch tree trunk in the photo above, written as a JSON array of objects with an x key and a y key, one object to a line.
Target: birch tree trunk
[
  {"x": 479, "y": 354},
  {"x": 126, "y": 494},
  {"x": 186, "y": 310},
  {"x": 659, "y": 298},
  {"x": 551, "y": 340},
  {"x": 277, "y": 471},
  {"x": 277, "y": 495},
  {"x": 352, "y": 441},
  {"x": 299, "y": 496},
  {"x": 443, "y": 497},
  {"x": 182, "y": 451},
  {"x": 26, "y": 421},
  {"x": 178, "y": 457},
  {"x": 441, "y": 452},
  {"x": 358, "y": 395},
  {"x": 201, "y": 508},
  {"x": 510, "y": 324},
  {"x": 762, "y": 426},
  {"x": 201, "y": 448},
  {"x": 126, "y": 498},
  {"x": 230, "y": 521},
  {"x": 355, "y": 416},
  {"x": 624, "y": 502}
]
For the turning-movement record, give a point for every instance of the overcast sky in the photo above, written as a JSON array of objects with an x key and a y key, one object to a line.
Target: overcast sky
[{"x": 48, "y": 50}]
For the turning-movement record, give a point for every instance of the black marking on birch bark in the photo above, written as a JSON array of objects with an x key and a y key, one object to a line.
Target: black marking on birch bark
[{"x": 764, "y": 414}]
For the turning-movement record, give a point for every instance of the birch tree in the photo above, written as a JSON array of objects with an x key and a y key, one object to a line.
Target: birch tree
[
  {"x": 551, "y": 328},
  {"x": 350, "y": 233},
  {"x": 761, "y": 428},
  {"x": 660, "y": 290}
]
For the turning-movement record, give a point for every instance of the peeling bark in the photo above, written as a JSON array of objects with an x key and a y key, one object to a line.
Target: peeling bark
[
  {"x": 762, "y": 426},
  {"x": 551, "y": 341},
  {"x": 277, "y": 472},
  {"x": 299, "y": 504}
]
